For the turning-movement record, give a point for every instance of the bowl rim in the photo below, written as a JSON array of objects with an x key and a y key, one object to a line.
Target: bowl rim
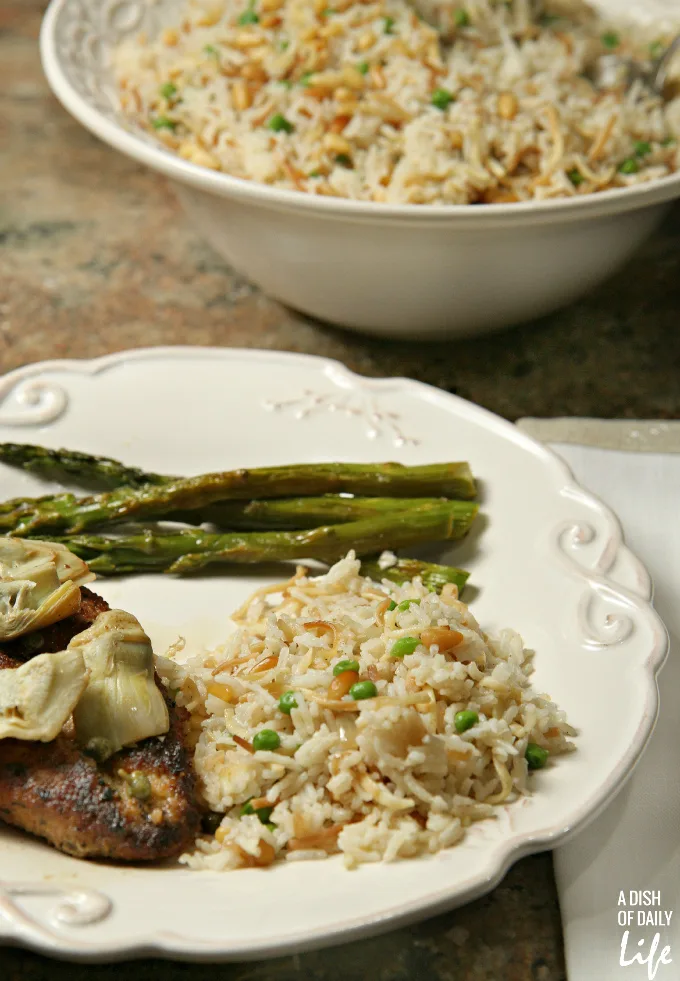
[{"x": 170, "y": 164}]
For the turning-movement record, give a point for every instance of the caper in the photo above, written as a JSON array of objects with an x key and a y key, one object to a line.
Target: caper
[
  {"x": 99, "y": 748},
  {"x": 140, "y": 785}
]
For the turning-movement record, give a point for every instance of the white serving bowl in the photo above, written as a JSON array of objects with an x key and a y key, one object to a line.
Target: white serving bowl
[{"x": 400, "y": 271}]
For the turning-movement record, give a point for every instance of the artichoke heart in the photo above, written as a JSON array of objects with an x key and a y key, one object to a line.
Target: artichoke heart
[
  {"x": 122, "y": 702},
  {"x": 15, "y": 552},
  {"x": 37, "y": 698},
  {"x": 39, "y": 585},
  {"x": 69, "y": 566}
]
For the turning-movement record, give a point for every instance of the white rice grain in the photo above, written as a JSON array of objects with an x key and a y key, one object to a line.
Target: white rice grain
[
  {"x": 369, "y": 102},
  {"x": 380, "y": 779}
]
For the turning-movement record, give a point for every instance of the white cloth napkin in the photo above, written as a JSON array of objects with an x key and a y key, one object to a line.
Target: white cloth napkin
[{"x": 635, "y": 845}]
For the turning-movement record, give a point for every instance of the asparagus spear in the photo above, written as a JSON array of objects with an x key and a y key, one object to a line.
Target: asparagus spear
[
  {"x": 310, "y": 512},
  {"x": 297, "y": 513},
  {"x": 189, "y": 549},
  {"x": 85, "y": 468},
  {"x": 11, "y": 510},
  {"x": 125, "y": 503},
  {"x": 434, "y": 576}
]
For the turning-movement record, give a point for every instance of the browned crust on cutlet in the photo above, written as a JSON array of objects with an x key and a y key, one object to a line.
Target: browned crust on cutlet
[{"x": 84, "y": 808}]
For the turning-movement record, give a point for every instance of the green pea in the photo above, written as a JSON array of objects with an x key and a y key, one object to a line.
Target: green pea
[
  {"x": 536, "y": 756},
  {"x": 343, "y": 666},
  {"x": 263, "y": 813},
  {"x": 279, "y": 124},
  {"x": 610, "y": 39},
  {"x": 404, "y": 646},
  {"x": 363, "y": 689},
  {"x": 461, "y": 18},
  {"x": 576, "y": 177},
  {"x": 441, "y": 98},
  {"x": 389, "y": 24},
  {"x": 344, "y": 160},
  {"x": 162, "y": 122},
  {"x": 404, "y": 605},
  {"x": 140, "y": 785},
  {"x": 168, "y": 90},
  {"x": 465, "y": 720},
  {"x": 642, "y": 148},
  {"x": 288, "y": 702},
  {"x": 266, "y": 739},
  {"x": 629, "y": 166},
  {"x": 249, "y": 16},
  {"x": 363, "y": 67}
]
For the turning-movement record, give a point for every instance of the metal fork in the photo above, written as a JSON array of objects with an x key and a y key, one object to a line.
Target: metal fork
[{"x": 611, "y": 70}]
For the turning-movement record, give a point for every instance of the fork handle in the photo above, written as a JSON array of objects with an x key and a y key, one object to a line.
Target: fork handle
[{"x": 660, "y": 72}]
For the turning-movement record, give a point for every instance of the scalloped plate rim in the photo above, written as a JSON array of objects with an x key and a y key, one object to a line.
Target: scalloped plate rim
[{"x": 502, "y": 854}]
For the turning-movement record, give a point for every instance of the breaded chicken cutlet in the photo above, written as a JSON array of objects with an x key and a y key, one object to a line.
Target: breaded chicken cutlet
[{"x": 137, "y": 805}]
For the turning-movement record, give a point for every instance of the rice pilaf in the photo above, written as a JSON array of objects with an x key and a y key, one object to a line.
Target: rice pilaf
[
  {"x": 367, "y": 100},
  {"x": 372, "y": 719}
]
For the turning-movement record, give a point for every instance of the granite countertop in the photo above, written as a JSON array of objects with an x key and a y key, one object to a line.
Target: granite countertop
[{"x": 96, "y": 256}]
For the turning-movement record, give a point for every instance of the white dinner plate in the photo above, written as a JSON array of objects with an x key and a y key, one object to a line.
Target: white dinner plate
[{"x": 547, "y": 559}]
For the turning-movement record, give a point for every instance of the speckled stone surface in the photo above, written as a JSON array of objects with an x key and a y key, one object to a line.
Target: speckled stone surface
[{"x": 96, "y": 256}]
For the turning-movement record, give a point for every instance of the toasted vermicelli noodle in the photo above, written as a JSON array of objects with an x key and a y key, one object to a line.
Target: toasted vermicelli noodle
[
  {"x": 388, "y": 775},
  {"x": 369, "y": 101}
]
